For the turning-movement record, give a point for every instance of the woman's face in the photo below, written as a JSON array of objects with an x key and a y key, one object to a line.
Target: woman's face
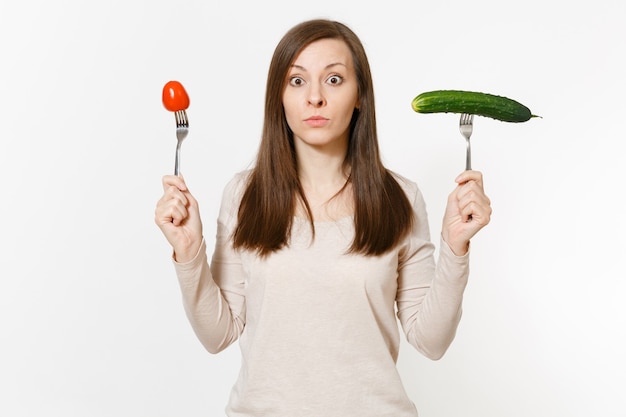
[{"x": 321, "y": 94}]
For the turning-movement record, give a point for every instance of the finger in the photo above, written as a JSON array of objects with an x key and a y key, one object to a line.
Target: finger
[
  {"x": 173, "y": 193},
  {"x": 174, "y": 188},
  {"x": 472, "y": 211},
  {"x": 473, "y": 188},
  {"x": 467, "y": 176},
  {"x": 178, "y": 215},
  {"x": 478, "y": 209},
  {"x": 172, "y": 208},
  {"x": 174, "y": 181},
  {"x": 472, "y": 197},
  {"x": 469, "y": 192},
  {"x": 168, "y": 214}
]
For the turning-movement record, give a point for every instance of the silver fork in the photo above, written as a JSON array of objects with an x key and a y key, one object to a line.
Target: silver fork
[
  {"x": 466, "y": 126},
  {"x": 182, "y": 129}
]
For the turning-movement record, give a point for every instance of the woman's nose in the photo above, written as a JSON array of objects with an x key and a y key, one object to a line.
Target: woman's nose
[{"x": 316, "y": 98}]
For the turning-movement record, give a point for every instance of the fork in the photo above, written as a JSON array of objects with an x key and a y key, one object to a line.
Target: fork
[
  {"x": 182, "y": 129},
  {"x": 465, "y": 126}
]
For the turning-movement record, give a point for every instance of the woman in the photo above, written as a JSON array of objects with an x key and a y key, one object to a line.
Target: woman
[{"x": 318, "y": 244}]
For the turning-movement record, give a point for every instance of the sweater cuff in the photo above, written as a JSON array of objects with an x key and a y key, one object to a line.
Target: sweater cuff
[
  {"x": 199, "y": 256},
  {"x": 449, "y": 254}
]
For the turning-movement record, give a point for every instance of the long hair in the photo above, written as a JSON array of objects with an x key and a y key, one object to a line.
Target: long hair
[{"x": 383, "y": 214}]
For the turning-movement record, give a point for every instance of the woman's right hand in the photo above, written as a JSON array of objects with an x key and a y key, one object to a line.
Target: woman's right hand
[{"x": 178, "y": 217}]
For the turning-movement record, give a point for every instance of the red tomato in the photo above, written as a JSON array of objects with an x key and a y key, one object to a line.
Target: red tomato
[{"x": 175, "y": 97}]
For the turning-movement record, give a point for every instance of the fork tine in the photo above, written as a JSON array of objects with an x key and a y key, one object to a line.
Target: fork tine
[
  {"x": 466, "y": 118},
  {"x": 181, "y": 118}
]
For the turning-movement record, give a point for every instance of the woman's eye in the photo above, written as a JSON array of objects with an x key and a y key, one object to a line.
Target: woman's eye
[
  {"x": 296, "y": 81},
  {"x": 334, "y": 80}
]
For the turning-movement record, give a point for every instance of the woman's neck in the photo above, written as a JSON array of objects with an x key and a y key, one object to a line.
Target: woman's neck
[
  {"x": 322, "y": 166},
  {"x": 325, "y": 181}
]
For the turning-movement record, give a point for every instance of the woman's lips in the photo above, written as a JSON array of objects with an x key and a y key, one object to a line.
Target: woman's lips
[{"x": 316, "y": 121}]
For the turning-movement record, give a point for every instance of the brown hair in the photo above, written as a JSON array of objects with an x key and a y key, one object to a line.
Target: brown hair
[{"x": 383, "y": 214}]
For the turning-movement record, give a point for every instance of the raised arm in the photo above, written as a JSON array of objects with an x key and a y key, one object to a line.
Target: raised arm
[
  {"x": 213, "y": 297},
  {"x": 430, "y": 294}
]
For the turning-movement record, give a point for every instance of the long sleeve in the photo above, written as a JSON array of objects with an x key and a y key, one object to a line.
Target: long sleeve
[
  {"x": 214, "y": 297},
  {"x": 429, "y": 295}
]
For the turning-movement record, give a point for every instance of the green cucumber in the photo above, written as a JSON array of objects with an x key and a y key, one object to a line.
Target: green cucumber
[{"x": 481, "y": 104}]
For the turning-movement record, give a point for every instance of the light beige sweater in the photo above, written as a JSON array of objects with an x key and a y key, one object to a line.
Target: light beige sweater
[{"x": 317, "y": 327}]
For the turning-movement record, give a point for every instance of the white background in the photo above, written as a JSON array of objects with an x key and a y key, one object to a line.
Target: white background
[{"x": 91, "y": 322}]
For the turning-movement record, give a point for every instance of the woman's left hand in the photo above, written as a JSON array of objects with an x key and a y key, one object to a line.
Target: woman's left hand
[{"x": 468, "y": 211}]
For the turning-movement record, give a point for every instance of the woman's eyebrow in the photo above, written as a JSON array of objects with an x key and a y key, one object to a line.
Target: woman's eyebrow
[{"x": 301, "y": 68}]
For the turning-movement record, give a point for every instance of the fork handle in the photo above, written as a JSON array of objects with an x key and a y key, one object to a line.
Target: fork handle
[
  {"x": 468, "y": 157},
  {"x": 468, "y": 165},
  {"x": 177, "y": 161}
]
